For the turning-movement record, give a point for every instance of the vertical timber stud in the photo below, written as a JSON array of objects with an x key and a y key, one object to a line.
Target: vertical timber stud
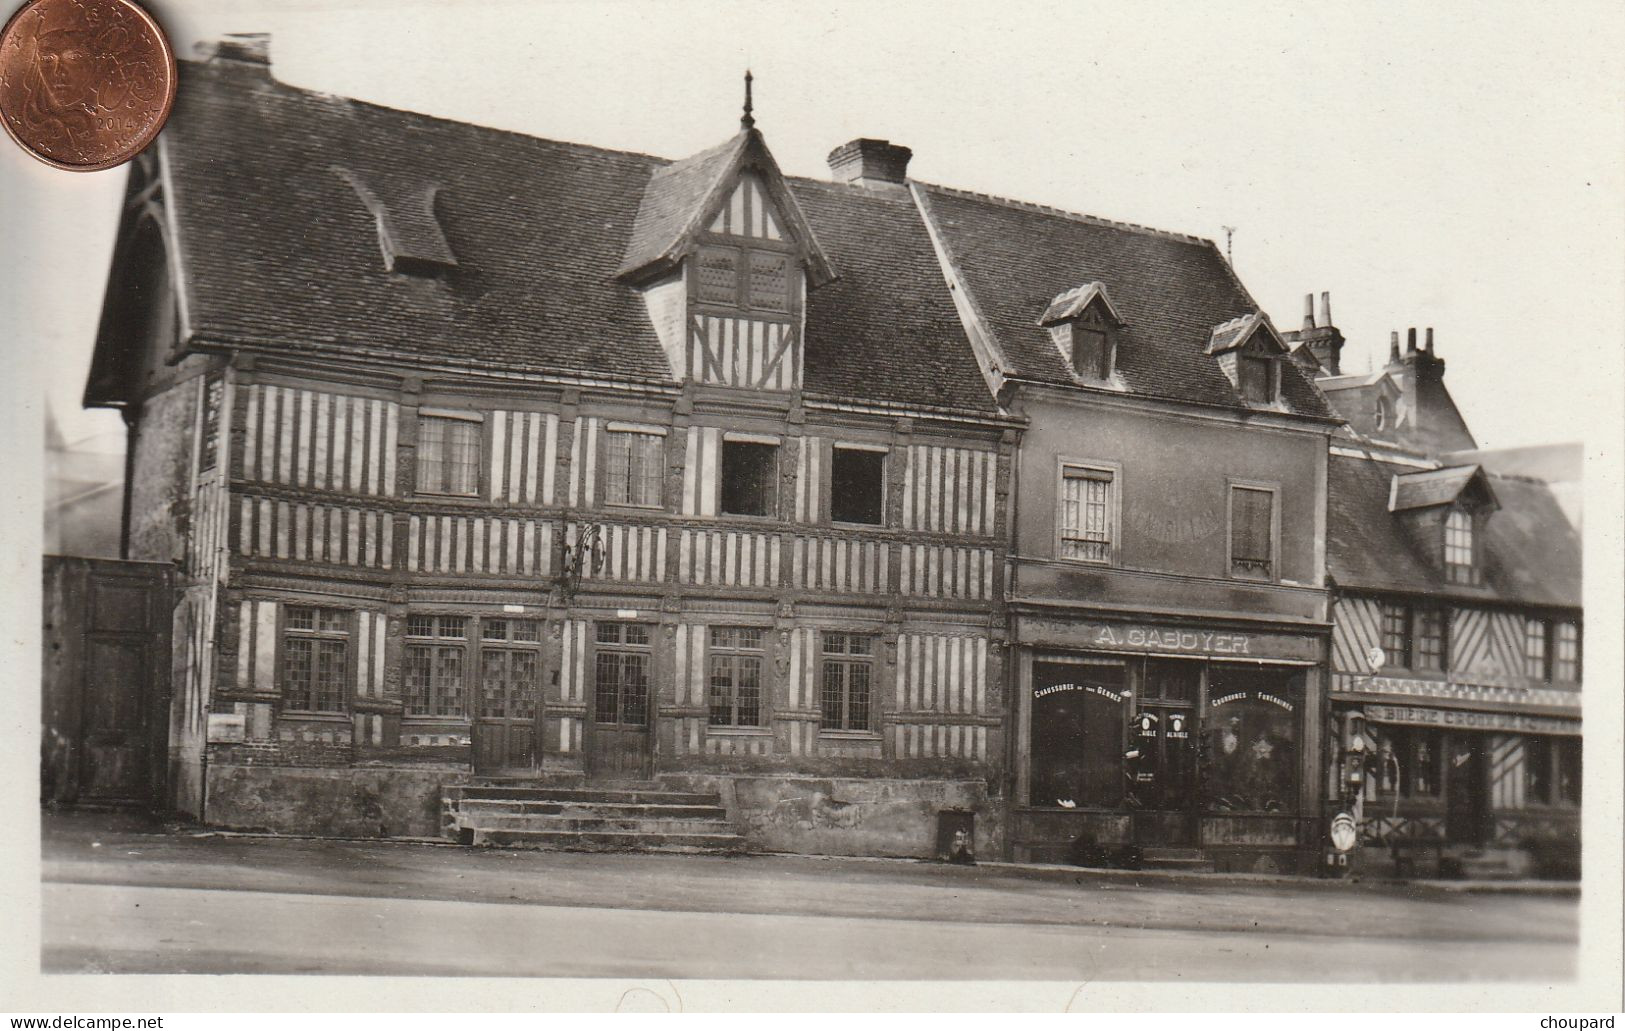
[{"x": 896, "y": 477}]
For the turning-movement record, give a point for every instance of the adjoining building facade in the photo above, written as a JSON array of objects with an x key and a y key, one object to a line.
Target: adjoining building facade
[
  {"x": 1457, "y": 648},
  {"x": 1168, "y": 617}
]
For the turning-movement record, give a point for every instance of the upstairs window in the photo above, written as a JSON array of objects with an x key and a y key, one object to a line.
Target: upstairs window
[
  {"x": 1428, "y": 637},
  {"x": 634, "y": 466},
  {"x": 750, "y": 474},
  {"x": 1396, "y": 633},
  {"x": 209, "y": 443},
  {"x": 1458, "y": 547},
  {"x": 1258, "y": 378},
  {"x": 1537, "y": 652},
  {"x": 1252, "y": 532},
  {"x": 1566, "y": 653},
  {"x": 1091, "y": 352},
  {"x": 1086, "y": 513},
  {"x": 753, "y": 279},
  {"x": 448, "y": 455},
  {"x": 857, "y": 481}
]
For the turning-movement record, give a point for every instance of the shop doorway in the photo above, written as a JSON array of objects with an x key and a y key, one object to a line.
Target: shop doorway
[
  {"x": 1160, "y": 766},
  {"x": 505, "y": 733},
  {"x": 1466, "y": 790}
]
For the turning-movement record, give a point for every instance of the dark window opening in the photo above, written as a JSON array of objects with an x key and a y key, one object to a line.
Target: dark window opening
[
  {"x": 1537, "y": 769},
  {"x": 749, "y": 478},
  {"x": 1568, "y": 770},
  {"x": 1411, "y": 764},
  {"x": 1257, "y": 379},
  {"x": 1077, "y": 734},
  {"x": 1091, "y": 353},
  {"x": 857, "y": 486}
]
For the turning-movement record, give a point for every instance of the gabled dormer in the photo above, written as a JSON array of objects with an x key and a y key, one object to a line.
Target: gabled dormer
[
  {"x": 1252, "y": 355},
  {"x": 724, "y": 257},
  {"x": 1444, "y": 511},
  {"x": 1086, "y": 329}
]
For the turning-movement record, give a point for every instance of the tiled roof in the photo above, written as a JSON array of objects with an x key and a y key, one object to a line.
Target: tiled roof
[
  {"x": 1531, "y": 551},
  {"x": 1071, "y": 303},
  {"x": 1428, "y": 487},
  {"x": 673, "y": 201},
  {"x": 281, "y": 251},
  {"x": 1170, "y": 289}
]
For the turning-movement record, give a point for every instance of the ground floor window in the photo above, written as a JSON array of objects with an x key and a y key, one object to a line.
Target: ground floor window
[
  {"x": 1410, "y": 762},
  {"x": 436, "y": 654},
  {"x": 315, "y": 658},
  {"x": 1250, "y": 739},
  {"x": 736, "y": 676},
  {"x": 1077, "y": 728},
  {"x": 848, "y": 675}
]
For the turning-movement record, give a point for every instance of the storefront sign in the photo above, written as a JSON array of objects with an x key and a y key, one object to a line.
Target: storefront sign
[
  {"x": 1141, "y": 638},
  {"x": 1263, "y": 696},
  {"x": 1465, "y": 719},
  {"x": 1094, "y": 689}
]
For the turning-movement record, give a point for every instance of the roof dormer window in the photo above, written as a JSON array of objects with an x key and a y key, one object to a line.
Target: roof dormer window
[
  {"x": 1083, "y": 324},
  {"x": 1260, "y": 379},
  {"x": 1459, "y": 547}
]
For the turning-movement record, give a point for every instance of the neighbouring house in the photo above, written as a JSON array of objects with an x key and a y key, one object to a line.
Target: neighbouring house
[{"x": 1456, "y": 653}]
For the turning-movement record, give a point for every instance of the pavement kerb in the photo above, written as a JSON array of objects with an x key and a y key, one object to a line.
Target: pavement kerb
[{"x": 1051, "y": 872}]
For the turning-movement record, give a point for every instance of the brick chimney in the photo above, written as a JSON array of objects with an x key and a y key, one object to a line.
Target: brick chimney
[
  {"x": 1319, "y": 336},
  {"x": 239, "y": 47},
  {"x": 872, "y": 163},
  {"x": 1433, "y": 422}
]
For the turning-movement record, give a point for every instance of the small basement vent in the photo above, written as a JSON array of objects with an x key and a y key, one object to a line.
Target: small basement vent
[{"x": 409, "y": 232}]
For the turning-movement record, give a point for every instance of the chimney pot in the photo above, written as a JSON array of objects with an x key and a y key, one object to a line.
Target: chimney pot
[
  {"x": 867, "y": 162},
  {"x": 242, "y": 47},
  {"x": 1325, "y": 308},
  {"x": 1393, "y": 346},
  {"x": 1410, "y": 340},
  {"x": 1308, "y": 311},
  {"x": 1430, "y": 340}
]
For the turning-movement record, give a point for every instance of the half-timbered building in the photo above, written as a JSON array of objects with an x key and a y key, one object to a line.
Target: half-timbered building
[
  {"x": 487, "y": 456},
  {"x": 1456, "y": 654}
]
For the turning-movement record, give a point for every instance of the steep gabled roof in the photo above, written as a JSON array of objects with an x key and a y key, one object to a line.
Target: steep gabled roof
[
  {"x": 1531, "y": 552},
  {"x": 277, "y": 252},
  {"x": 681, "y": 197},
  {"x": 1238, "y": 332},
  {"x": 1430, "y": 487},
  {"x": 1170, "y": 289},
  {"x": 1072, "y": 303}
]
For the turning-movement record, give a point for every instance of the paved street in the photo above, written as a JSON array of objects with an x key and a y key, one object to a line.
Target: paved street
[{"x": 133, "y": 901}]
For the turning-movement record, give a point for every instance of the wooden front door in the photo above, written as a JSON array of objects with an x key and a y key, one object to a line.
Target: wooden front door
[
  {"x": 618, "y": 725},
  {"x": 1162, "y": 746},
  {"x": 107, "y": 668},
  {"x": 505, "y": 732}
]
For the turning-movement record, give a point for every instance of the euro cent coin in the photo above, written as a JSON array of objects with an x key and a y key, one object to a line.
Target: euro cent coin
[{"x": 84, "y": 84}]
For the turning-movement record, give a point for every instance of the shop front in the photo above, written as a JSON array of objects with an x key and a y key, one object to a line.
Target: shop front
[{"x": 1138, "y": 741}]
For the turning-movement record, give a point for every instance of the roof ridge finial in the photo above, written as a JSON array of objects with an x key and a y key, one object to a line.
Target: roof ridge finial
[{"x": 747, "y": 121}]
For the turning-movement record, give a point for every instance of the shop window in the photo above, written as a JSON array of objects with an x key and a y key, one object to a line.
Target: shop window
[
  {"x": 436, "y": 657},
  {"x": 1537, "y": 770},
  {"x": 1396, "y": 633},
  {"x": 1418, "y": 757},
  {"x": 448, "y": 455},
  {"x": 1537, "y": 649},
  {"x": 1428, "y": 637},
  {"x": 857, "y": 480},
  {"x": 749, "y": 477},
  {"x": 1076, "y": 732},
  {"x": 1250, "y": 740},
  {"x": 848, "y": 675},
  {"x": 1568, "y": 771},
  {"x": 510, "y": 672},
  {"x": 634, "y": 467},
  {"x": 736, "y": 676},
  {"x": 1087, "y": 515},
  {"x": 1566, "y": 657},
  {"x": 1252, "y": 532},
  {"x": 315, "y": 658},
  {"x": 621, "y": 674}
]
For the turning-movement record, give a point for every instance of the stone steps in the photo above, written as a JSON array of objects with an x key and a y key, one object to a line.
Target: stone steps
[
  {"x": 1175, "y": 859},
  {"x": 641, "y": 817}
]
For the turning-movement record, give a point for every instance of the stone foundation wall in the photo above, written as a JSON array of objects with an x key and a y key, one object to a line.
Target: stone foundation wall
[
  {"x": 843, "y": 816},
  {"x": 353, "y": 802}
]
